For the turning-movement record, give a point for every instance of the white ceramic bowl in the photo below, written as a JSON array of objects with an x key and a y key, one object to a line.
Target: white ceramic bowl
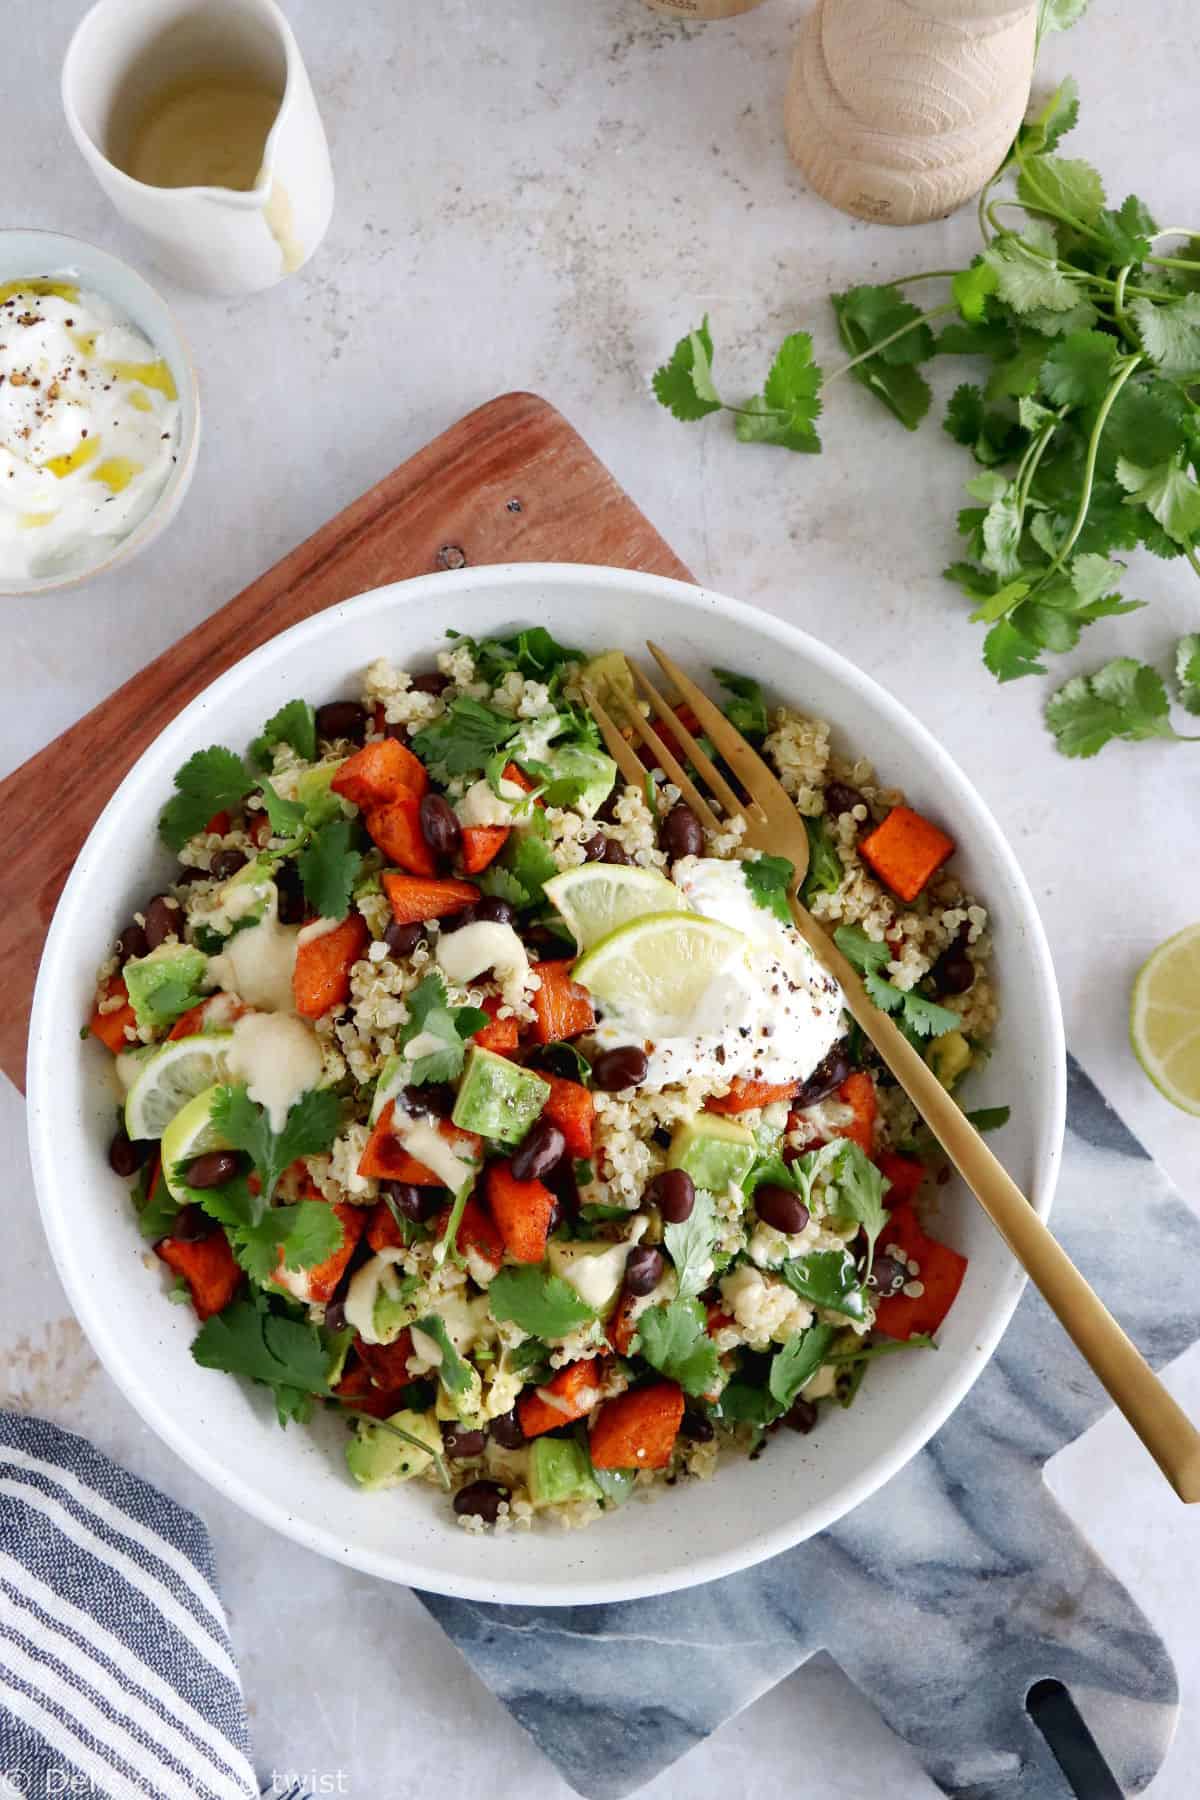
[
  {"x": 28, "y": 253},
  {"x": 295, "y": 1480}
]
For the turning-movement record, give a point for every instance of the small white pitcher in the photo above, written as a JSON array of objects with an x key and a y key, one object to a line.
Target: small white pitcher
[{"x": 221, "y": 240}]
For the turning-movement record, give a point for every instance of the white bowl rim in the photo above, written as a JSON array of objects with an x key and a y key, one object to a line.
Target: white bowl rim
[
  {"x": 175, "y": 487},
  {"x": 755, "y": 1548}
]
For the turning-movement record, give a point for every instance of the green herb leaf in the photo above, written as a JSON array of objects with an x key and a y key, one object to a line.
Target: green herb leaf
[
  {"x": 1125, "y": 234},
  {"x": 1061, "y": 112},
  {"x": 463, "y": 739},
  {"x": 674, "y": 1340},
  {"x": 287, "y": 817},
  {"x": 1025, "y": 280},
  {"x": 431, "y": 1015},
  {"x": 288, "y": 1355},
  {"x": 990, "y": 1118},
  {"x": 455, "y": 1375},
  {"x": 746, "y": 710},
  {"x": 1167, "y": 492},
  {"x": 919, "y": 1017},
  {"x": 1187, "y": 671},
  {"x": 786, "y": 411},
  {"x": 866, "y": 315},
  {"x": 311, "y": 1126},
  {"x": 157, "y": 1206},
  {"x": 537, "y": 1300},
  {"x": 675, "y": 382},
  {"x": 825, "y": 872},
  {"x": 860, "y": 1190},
  {"x": 329, "y": 869},
  {"x": 971, "y": 289},
  {"x": 797, "y": 1363},
  {"x": 828, "y": 1279},
  {"x": 690, "y": 1246},
  {"x": 1078, "y": 370},
  {"x": 296, "y": 724},
  {"x": 1171, "y": 334},
  {"x": 1066, "y": 189},
  {"x": 211, "y": 781},
  {"x": 769, "y": 880},
  {"x": 1124, "y": 699}
]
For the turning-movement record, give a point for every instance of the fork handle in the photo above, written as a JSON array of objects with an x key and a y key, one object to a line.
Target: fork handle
[{"x": 1158, "y": 1420}]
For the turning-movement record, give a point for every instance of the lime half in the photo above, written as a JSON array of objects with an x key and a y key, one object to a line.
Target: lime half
[
  {"x": 1164, "y": 1019},
  {"x": 174, "y": 1075},
  {"x": 657, "y": 969},
  {"x": 190, "y": 1133},
  {"x": 597, "y": 898}
]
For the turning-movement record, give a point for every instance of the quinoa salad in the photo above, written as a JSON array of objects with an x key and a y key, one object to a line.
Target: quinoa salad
[{"x": 497, "y": 1107}]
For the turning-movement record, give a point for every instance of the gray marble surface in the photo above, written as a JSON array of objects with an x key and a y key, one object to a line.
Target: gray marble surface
[{"x": 944, "y": 1597}]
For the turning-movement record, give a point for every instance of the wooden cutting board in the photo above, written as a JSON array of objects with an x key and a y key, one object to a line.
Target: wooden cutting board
[{"x": 512, "y": 482}]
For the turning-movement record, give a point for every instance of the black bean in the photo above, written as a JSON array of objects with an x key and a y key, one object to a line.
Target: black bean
[
  {"x": 779, "y": 1206},
  {"x": 506, "y": 1430},
  {"x": 614, "y": 853},
  {"x": 829, "y": 1074},
  {"x": 211, "y": 1169},
  {"x": 541, "y": 1150},
  {"x": 482, "y": 1500},
  {"x": 402, "y": 940},
  {"x": 163, "y": 917},
  {"x": 643, "y": 1270},
  {"x": 556, "y": 1059},
  {"x": 674, "y": 1193},
  {"x": 456, "y": 921},
  {"x": 801, "y": 1416},
  {"x": 125, "y": 1157},
  {"x": 439, "y": 825},
  {"x": 132, "y": 942},
  {"x": 226, "y": 863},
  {"x": 432, "y": 1099},
  {"x": 290, "y": 889},
  {"x": 661, "y": 1136},
  {"x": 595, "y": 849},
  {"x": 412, "y": 1202},
  {"x": 681, "y": 834},
  {"x": 188, "y": 874},
  {"x": 401, "y": 733},
  {"x": 623, "y": 1068},
  {"x": 335, "y": 1316},
  {"x": 192, "y": 1224},
  {"x": 342, "y": 719},
  {"x": 696, "y": 1427},
  {"x": 433, "y": 683},
  {"x": 459, "y": 1443},
  {"x": 495, "y": 911},
  {"x": 888, "y": 1275},
  {"x": 841, "y": 798},
  {"x": 607, "y": 811},
  {"x": 953, "y": 972}
]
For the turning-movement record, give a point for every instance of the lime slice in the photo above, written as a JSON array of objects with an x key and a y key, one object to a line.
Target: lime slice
[
  {"x": 174, "y": 1075},
  {"x": 657, "y": 969},
  {"x": 190, "y": 1133},
  {"x": 1164, "y": 1019},
  {"x": 598, "y": 897}
]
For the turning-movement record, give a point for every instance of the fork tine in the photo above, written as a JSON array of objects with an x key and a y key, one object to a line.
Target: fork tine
[
  {"x": 747, "y": 765},
  {"x": 630, "y": 764},
  {"x": 619, "y": 749},
  {"x": 703, "y": 764},
  {"x": 670, "y": 765}
]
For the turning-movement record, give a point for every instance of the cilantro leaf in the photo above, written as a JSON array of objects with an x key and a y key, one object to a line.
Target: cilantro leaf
[
  {"x": 920, "y": 1018},
  {"x": 690, "y": 1246},
  {"x": 532, "y": 651},
  {"x": 294, "y": 724},
  {"x": 311, "y": 1126},
  {"x": 1066, "y": 189},
  {"x": 461, "y": 741},
  {"x": 329, "y": 869},
  {"x": 1124, "y": 699},
  {"x": 537, "y": 1300},
  {"x": 769, "y": 880},
  {"x": 797, "y": 1363},
  {"x": 1009, "y": 653},
  {"x": 455, "y": 1375},
  {"x": 828, "y": 1279},
  {"x": 990, "y": 1118},
  {"x": 925, "y": 1018},
  {"x": 288, "y": 1355},
  {"x": 866, "y": 315},
  {"x": 157, "y": 1206},
  {"x": 825, "y": 871},
  {"x": 430, "y": 1016},
  {"x": 528, "y": 863},
  {"x": 1187, "y": 671},
  {"x": 861, "y": 952},
  {"x": 674, "y": 1340},
  {"x": 286, "y": 816},
  {"x": 860, "y": 1189},
  {"x": 1171, "y": 334},
  {"x": 1125, "y": 234},
  {"x": 211, "y": 781},
  {"x": 1059, "y": 15},
  {"x": 1078, "y": 370},
  {"x": 964, "y": 415},
  {"x": 502, "y": 884},
  {"x": 786, "y": 410},
  {"x": 675, "y": 383},
  {"x": 971, "y": 288},
  {"x": 747, "y": 710},
  {"x": 1025, "y": 280},
  {"x": 1061, "y": 112},
  {"x": 1167, "y": 492},
  {"x": 1149, "y": 422}
]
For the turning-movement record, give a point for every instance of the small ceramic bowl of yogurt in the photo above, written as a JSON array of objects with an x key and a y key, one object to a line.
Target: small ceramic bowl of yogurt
[{"x": 99, "y": 412}]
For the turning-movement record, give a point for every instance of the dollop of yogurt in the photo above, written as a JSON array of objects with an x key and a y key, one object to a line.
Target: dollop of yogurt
[
  {"x": 771, "y": 1014},
  {"x": 89, "y": 428}
]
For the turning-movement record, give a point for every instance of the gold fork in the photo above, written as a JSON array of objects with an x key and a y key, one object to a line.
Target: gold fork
[{"x": 772, "y": 824}]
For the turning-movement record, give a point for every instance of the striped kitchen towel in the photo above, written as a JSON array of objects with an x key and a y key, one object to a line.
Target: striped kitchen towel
[{"x": 117, "y": 1676}]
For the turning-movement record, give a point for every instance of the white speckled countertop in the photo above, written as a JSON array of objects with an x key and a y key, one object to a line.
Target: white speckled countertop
[{"x": 544, "y": 195}]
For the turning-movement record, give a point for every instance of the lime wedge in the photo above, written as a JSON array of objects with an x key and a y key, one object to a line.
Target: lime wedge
[
  {"x": 598, "y": 897},
  {"x": 190, "y": 1133},
  {"x": 174, "y": 1075},
  {"x": 1164, "y": 1019},
  {"x": 657, "y": 969}
]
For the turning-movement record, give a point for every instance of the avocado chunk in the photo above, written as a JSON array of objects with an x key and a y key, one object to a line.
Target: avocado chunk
[
  {"x": 949, "y": 1057},
  {"x": 609, "y": 674},
  {"x": 498, "y": 1098},
  {"x": 579, "y": 777},
  {"x": 716, "y": 1152},
  {"x": 560, "y": 1469},
  {"x": 310, "y": 788},
  {"x": 166, "y": 983},
  {"x": 378, "y": 1458}
]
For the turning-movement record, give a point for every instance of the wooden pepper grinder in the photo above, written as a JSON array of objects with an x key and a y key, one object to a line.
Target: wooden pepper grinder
[
  {"x": 899, "y": 110},
  {"x": 703, "y": 9}
]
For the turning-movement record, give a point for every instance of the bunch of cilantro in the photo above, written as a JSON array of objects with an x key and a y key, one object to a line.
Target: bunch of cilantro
[{"x": 1084, "y": 419}]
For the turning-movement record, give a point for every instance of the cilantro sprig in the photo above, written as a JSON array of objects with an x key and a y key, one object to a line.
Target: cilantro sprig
[
  {"x": 1086, "y": 420},
  {"x": 431, "y": 1016},
  {"x": 212, "y": 781},
  {"x": 917, "y": 1017},
  {"x": 259, "y": 1339},
  {"x": 310, "y": 1127}
]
